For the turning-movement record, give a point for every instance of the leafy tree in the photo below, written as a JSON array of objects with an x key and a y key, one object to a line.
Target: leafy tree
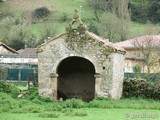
[
  {"x": 154, "y": 11},
  {"x": 15, "y": 38},
  {"x": 47, "y": 32}
]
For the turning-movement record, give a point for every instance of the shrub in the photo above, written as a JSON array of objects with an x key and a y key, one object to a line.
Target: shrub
[
  {"x": 9, "y": 88},
  {"x": 101, "y": 98},
  {"x": 18, "y": 111},
  {"x": 40, "y": 13},
  {"x": 32, "y": 108},
  {"x": 31, "y": 93},
  {"x": 73, "y": 103},
  {"x": 45, "y": 99},
  {"x": 99, "y": 104},
  {"x": 81, "y": 113},
  {"x": 68, "y": 112},
  {"x": 137, "y": 71},
  {"x": 140, "y": 88},
  {"x": 37, "y": 101},
  {"x": 55, "y": 107},
  {"x": 49, "y": 115}
]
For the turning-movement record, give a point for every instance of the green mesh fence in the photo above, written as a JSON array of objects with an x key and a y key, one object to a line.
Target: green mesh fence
[
  {"x": 22, "y": 74},
  {"x": 152, "y": 77}
]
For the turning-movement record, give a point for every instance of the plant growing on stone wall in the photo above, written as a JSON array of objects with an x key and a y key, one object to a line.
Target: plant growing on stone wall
[{"x": 76, "y": 37}]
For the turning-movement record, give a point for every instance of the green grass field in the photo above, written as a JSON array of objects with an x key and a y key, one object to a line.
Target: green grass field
[
  {"x": 62, "y": 8},
  {"x": 92, "y": 114},
  {"x": 98, "y": 109}
]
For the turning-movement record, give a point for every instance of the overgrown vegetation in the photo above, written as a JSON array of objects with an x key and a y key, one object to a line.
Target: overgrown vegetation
[
  {"x": 144, "y": 12},
  {"x": 46, "y": 108},
  {"x": 140, "y": 88},
  {"x": 40, "y": 13},
  {"x": 9, "y": 89},
  {"x": 137, "y": 71},
  {"x": 23, "y": 25}
]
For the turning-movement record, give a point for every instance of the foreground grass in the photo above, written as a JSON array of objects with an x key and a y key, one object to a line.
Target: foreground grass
[
  {"x": 92, "y": 114},
  {"x": 73, "y": 109}
]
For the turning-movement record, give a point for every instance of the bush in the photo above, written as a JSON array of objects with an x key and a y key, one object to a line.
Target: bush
[
  {"x": 31, "y": 93},
  {"x": 141, "y": 88},
  {"x": 40, "y": 13},
  {"x": 54, "y": 107},
  {"x": 137, "y": 71},
  {"x": 73, "y": 103},
  {"x": 81, "y": 113},
  {"x": 32, "y": 108},
  {"x": 68, "y": 112},
  {"x": 45, "y": 99},
  {"x": 101, "y": 98},
  {"x": 99, "y": 104},
  {"x": 9, "y": 88},
  {"x": 49, "y": 115}
]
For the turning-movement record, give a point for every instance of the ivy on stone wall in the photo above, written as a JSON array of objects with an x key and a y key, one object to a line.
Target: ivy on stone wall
[{"x": 80, "y": 40}]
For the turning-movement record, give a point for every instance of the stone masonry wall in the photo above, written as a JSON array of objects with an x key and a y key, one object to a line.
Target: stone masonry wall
[
  {"x": 118, "y": 75},
  {"x": 109, "y": 65}
]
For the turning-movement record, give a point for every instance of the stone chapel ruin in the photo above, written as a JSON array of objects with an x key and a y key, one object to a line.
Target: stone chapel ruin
[{"x": 80, "y": 64}]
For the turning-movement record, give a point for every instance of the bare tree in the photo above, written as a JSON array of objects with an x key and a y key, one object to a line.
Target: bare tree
[
  {"x": 149, "y": 50},
  {"x": 111, "y": 27},
  {"x": 120, "y": 8}
]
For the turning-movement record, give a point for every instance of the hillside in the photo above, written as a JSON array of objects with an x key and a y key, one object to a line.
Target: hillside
[{"x": 61, "y": 12}]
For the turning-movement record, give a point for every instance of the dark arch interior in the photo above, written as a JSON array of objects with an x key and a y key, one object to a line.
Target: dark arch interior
[{"x": 76, "y": 79}]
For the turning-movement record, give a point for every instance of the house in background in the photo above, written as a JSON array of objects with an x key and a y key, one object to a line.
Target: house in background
[
  {"x": 27, "y": 51},
  {"x": 137, "y": 50},
  {"x": 18, "y": 65}
]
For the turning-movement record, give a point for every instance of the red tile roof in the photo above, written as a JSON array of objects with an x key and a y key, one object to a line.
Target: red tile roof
[
  {"x": 27, "y": 51},
  {"x": 130, "y": 44}
]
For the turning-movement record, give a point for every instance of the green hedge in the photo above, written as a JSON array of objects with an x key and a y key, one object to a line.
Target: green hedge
[{"x": 141, "y": 88}]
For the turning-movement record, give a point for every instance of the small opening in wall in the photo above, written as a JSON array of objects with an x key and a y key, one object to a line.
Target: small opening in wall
[{"x": 104, "y": 68}]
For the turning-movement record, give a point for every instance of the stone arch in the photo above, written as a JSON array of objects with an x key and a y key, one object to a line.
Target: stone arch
[{"x": 76, "y": 78}]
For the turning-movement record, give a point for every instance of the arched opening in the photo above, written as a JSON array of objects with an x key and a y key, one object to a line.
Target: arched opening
[{"x": 76, "y": 79}]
